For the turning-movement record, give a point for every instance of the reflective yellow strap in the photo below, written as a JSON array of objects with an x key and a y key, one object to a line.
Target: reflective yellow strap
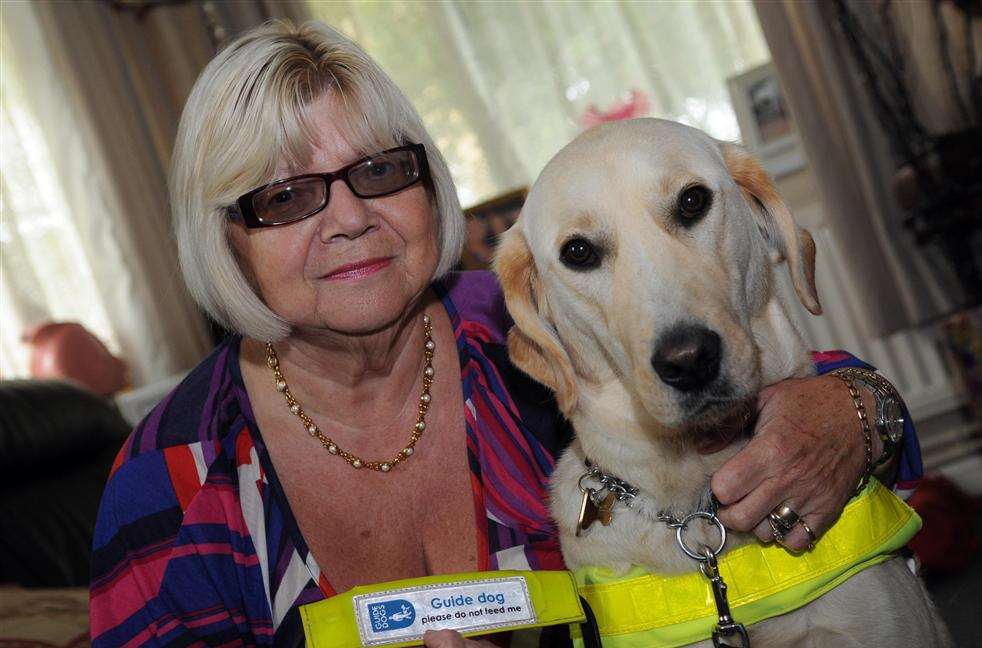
[
  {"x": 398, "y": 612},
  {"x": 653, "y": 610}
]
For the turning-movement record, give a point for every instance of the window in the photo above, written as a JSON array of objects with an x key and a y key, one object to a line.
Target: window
[
  {"x": 503, "y": 86},
  {"x": 44, "y": 274}
]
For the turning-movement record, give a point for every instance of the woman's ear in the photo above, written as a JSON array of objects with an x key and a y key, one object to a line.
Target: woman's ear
[
  {"x": 794, "y": 243},
  {"x": 532, "y": 343}
]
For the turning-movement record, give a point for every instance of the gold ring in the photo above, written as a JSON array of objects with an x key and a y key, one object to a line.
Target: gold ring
[{"x": 811, "y": 534}]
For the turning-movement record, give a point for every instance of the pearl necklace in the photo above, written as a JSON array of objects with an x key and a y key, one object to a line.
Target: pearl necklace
[{"x": 296, "y": 409}]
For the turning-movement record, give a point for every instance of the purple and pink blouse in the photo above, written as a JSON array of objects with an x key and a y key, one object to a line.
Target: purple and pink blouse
[{"x": 195, "y": 541}]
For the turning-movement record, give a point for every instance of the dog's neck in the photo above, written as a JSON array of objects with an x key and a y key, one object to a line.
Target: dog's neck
[
  {"x": 615, "y": 432},
  {"x": 616, "y": 435}
]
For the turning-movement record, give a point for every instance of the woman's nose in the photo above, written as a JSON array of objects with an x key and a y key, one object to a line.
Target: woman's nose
[{"x": 346, "y": 215}]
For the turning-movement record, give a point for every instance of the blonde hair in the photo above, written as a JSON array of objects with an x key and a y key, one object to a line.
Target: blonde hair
[{"x": 247, "y": 112}]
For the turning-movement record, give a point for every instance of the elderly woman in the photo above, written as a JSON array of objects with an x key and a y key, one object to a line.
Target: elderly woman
[{"x": 363, "y": 423}]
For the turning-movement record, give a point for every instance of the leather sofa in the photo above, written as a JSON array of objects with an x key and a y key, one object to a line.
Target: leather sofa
[{"x": 57, "y": 444}]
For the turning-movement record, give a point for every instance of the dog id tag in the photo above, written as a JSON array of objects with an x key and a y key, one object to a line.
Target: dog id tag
[
  {"x": 590, "y": 512},
  {"x": 607, "y": 509}
]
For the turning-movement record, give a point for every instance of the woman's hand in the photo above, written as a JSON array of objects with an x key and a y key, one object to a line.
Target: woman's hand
[
  {"x": 453, "y": 639},
  {"x": 808, "y": 452}
]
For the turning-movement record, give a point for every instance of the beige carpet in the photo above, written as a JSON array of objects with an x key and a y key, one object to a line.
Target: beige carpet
[{"x": 44, "y": 618}]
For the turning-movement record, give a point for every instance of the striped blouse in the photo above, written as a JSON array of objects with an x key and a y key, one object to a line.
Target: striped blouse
[{"x": 195, "y": 541}]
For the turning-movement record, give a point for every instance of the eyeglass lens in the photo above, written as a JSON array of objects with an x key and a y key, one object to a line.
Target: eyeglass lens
[{"x": 376, "y": 176}]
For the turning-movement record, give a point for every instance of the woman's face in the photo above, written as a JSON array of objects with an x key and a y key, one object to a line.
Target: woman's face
[{"x": 355, "y": 266}]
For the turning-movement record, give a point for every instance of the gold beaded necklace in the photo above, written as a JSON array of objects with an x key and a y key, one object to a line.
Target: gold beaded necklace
[{"x": 429, "y": 346}]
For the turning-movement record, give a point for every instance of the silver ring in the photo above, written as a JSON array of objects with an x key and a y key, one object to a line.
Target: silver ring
[
  {"x": 784, "y": 517},
  {"x": 583, "y": 488},
  {"x": 778, "y": 533},
  {"x": 706, "y": 516}
]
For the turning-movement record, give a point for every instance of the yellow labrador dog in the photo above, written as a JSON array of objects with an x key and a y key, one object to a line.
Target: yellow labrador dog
[{"x": 640, "y": 279}]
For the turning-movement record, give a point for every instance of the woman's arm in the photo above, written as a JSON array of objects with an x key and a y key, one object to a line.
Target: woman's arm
[
  {"x": 904, "y": 470},
  {"x": 155, "y": 580},
  {"x": 808, "y": 452},
  {"x": 128, "y": 563}
]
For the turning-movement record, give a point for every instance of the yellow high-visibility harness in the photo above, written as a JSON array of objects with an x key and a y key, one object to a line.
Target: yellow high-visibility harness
[
  {"x": 643, "y": 609},
  {"x": 639, "y": 609},
  {"x": 477, "y": 603}
]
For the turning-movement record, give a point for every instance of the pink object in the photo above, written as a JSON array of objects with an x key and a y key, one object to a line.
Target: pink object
[
  {"x": 636, "y": 106},
  {"x": 67, "y": 351}
]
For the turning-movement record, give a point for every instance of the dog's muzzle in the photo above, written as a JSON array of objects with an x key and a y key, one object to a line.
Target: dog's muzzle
[{"x": 687, "y": 358}]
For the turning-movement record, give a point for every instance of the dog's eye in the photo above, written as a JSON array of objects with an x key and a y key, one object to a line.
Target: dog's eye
[
  {"x": 579, "y": 254},
  {"x": 694, "y": 202}
]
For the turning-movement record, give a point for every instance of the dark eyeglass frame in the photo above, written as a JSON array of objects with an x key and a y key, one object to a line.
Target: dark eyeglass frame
[{"x": 248, "y": 213}]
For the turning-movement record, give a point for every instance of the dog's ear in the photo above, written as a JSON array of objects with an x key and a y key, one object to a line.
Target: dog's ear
[
  {"x": 794, "y": 243},
  {"x": 532, "y": 342}
]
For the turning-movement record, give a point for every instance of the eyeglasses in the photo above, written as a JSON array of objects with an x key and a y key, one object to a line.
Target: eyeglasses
[{"x": 293, "y": 199}]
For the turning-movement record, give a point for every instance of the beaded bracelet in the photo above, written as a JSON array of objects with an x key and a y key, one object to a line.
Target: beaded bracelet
[{"x": 864, "y": 421}]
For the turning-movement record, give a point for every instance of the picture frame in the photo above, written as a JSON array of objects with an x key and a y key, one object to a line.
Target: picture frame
[
  {"x": 486, "y": 222},
  {"x": 766, "y": 125}
]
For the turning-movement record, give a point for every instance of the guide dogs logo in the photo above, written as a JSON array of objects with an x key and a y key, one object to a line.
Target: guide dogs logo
[{"x": 391, "y": 615}]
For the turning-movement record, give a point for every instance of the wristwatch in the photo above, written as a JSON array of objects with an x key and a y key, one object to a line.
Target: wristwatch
[{"x": 890, "y": 418}]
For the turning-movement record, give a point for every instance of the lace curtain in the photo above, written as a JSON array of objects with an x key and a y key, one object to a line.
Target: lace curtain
[
  {"x": 503, "y": 85},
  {"x": 45, "y": 273},
  {"x": 84, "y": 221}
]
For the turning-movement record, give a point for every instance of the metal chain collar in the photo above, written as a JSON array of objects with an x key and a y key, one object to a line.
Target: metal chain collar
[{"x": 621, "y": 490}]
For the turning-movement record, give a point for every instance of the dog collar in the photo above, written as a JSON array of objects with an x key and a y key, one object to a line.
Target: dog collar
[{"x": 598, "y": 502}]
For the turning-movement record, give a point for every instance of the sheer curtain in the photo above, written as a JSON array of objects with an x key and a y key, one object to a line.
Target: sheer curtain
[
  {"x": 44, "y": 273},
  {"x": 503, "y": 85},
  {"x": 85, "y": 232},
  {"x": 891, "y": 286}
]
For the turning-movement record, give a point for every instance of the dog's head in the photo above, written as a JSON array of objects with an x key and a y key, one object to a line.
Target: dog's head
[{"x": 642, "y": 256}]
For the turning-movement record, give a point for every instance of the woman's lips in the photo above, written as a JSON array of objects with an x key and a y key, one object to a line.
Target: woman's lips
[{"x": 358, "y": 270}]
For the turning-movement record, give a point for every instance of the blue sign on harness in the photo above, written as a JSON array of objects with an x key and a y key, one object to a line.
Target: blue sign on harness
[{"x": 392, "y": 615}]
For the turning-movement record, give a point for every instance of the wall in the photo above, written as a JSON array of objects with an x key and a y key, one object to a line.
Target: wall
[{"x": 912, "y": 359}]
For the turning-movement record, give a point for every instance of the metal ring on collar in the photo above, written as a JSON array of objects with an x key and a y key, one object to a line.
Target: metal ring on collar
[
  {"x": 583, "y": 488},
  {"x": 685, "y": 522}
]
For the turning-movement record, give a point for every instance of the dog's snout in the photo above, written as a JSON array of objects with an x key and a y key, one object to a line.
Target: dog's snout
[{"x": 687, "y": 358}]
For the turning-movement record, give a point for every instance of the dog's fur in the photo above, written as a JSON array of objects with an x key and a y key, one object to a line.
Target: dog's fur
[{"x": 589, "y": 335}]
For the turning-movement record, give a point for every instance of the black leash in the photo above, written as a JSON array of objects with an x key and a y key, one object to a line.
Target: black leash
[{"x": 589, "y": 628}]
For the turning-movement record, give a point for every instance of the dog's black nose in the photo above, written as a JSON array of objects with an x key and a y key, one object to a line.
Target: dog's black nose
[{"x": 687, "y": 358}]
